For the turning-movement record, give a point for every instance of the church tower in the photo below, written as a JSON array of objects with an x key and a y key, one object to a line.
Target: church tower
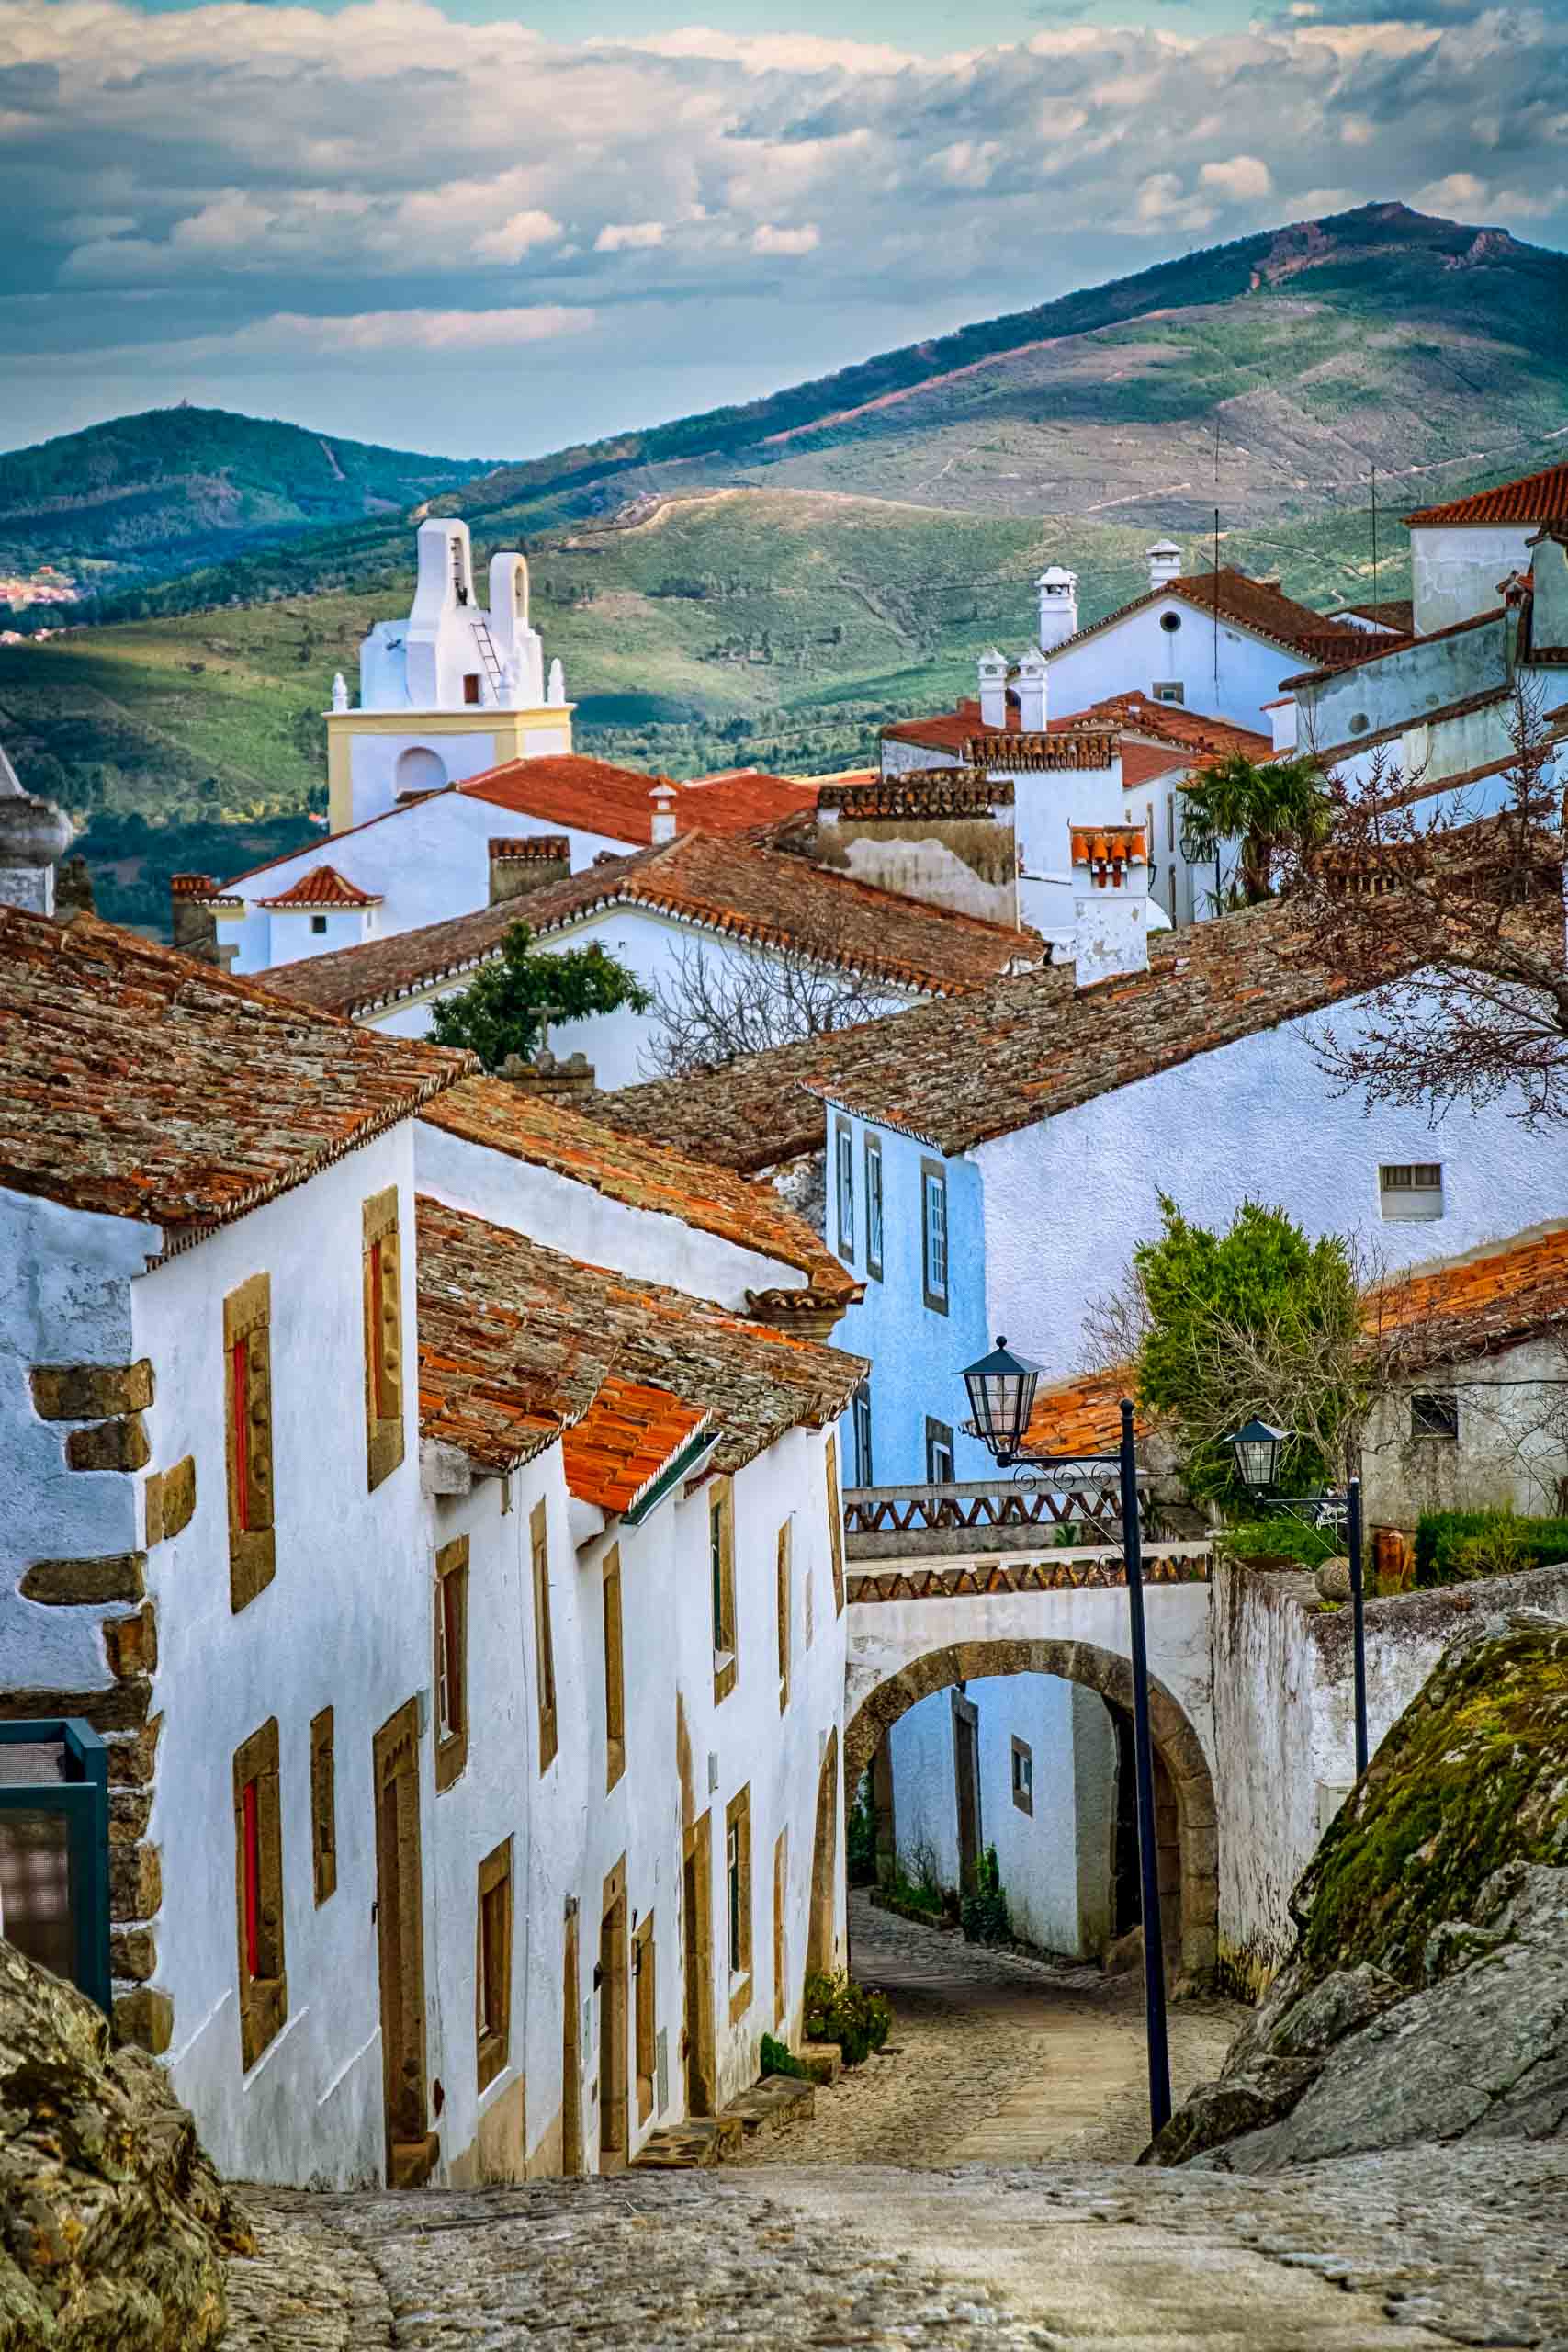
[{"x": 449, "y": 692}]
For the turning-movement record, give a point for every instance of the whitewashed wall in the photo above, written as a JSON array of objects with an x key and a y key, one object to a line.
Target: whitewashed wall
[
  {"x": 1512, "y": 1447},
  {"x": 1401, "y": 686},
  {"x": 1455, "y": 573},
  {"x": 1137, "y": 653}
]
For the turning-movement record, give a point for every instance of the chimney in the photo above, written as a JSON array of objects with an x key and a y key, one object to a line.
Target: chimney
[
  {"x": 1058, "y": 594},
  {"x": 662, "y": 826},
  {"x": 33, "y": 835},
  {"x": 993, "y": 690},
  {"x": 194, "y": 900},
  {"x": 1110, "y": 901},
  {"x": 1032, "y": 692},
  {"x": 522, "y": 864},
  {"x": 1165, "y": 564},
  {"x": 568, "y": 1083}
]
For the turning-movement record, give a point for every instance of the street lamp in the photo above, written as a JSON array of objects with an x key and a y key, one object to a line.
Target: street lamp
[
  {"x": 1001, "y": 1396},
  {"x": 1257, "y": 1446}
]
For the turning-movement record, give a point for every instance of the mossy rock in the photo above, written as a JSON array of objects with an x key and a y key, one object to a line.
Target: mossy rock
[{"x": 1473, "y": 1775}]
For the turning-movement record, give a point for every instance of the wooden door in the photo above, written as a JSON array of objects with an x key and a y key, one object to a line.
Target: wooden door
[
  {"x": 698, "y": 2038},
  {"x": 412, "y": 2146},
  {"x": 611, "y": 1981},
  {"x": 966, "y": 1788},
  {"x": 821, "y": 1940},
  {"x": 571, "y": 2053}
]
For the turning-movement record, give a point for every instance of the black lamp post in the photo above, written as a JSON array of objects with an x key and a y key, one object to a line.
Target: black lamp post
[{"x": 1001, "y": 1398}]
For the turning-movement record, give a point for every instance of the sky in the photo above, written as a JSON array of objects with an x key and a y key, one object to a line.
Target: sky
[{"x": 487, "y": 229}]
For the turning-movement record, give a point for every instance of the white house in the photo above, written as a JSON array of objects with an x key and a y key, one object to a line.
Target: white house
[
  {"x": 1461, "y": 550},
  {"x": 338, "y": 1500},
  {"x": 745, "y": 914}
]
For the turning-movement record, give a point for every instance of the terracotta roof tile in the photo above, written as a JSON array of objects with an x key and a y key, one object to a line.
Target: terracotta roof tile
[
  {"x": 1473, "y": 1305},
  {"x": 531, "y": 849},
  {"x": 140, "y": 1083},
  {"x": 1530, "y": 498},
  {"x": 323, "y": 886},
  {"x": 642, "y": 1174},
  {"x": 1107, "y": 847},
  {"x": 593, "y": 797},
  {"x": 624, "y": 1442},
  {"x": 518, "y": 1341},
  {"x": 924, "y": 793},
  {"x": 758, "y": 896},
  {"x": 1132, "y": 715},
  {"x": 1256, "y": 605},
  {"x": 1083, "y": 1415}
]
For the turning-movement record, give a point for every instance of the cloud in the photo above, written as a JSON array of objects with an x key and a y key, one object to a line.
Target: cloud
[
  {"x": 628, "y": 236},
  {"x": 515, "y": 236},
  {"x": 767, "y": 239},
  {"x": 1244, "y": 179},
  {"x": 408, "y": 331}
]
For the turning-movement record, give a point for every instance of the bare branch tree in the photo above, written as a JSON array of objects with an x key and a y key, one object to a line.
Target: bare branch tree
[
  {"x": 718, "y": 1004},
  {"x": 1451, "y": 928}
]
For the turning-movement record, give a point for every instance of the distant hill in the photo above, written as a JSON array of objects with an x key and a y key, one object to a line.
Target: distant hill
[
  {"x": 768, "y": 583},
  {"x": 173, "y": 488}
]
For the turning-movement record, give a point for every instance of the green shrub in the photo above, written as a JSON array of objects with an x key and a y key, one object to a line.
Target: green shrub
[
  {"x": 778, "y": 2058},
  {"x": 837, "y": 2009},
  {"x": 1284, "y": 1538},
  {"x": 915, "y": 1895},
  {"x": 984, "y": 1913},
  {"x": 860, "y": 1836},
  {"x": 1453, "y": 1546}
]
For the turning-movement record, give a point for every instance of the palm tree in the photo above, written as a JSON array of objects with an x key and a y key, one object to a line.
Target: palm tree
[{"x": 1278, "y": 808}]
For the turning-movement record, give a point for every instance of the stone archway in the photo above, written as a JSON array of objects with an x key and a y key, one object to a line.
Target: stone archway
[{"x": 1176, "y": 1743}]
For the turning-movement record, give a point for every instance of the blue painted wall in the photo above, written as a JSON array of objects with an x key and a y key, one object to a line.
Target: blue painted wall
[{"x": 916, "y": 1355}]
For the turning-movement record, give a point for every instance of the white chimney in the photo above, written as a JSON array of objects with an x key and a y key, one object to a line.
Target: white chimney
[
  {"x": 993, "y": 689},
  {"x": 1165, "y": 564},
  {"x": 1032, "y": 692},
  {"x": 662, "y": 826},
  {"x": 34, "y": 833},
  {"x": 1110, "y": 901},
  {"x": 1058, "y": 594}
]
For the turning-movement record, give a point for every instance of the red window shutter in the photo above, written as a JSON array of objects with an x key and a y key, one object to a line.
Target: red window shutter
[
  {"x": 239, "y": 1406},
  {"x": 250, "y": 1834}
]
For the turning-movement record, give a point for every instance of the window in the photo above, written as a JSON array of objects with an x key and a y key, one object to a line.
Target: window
[
  {"x": 543, "y": 1646},
  {"x": 835, "y": 1532},
  {"x": 615, "y": 1673},
  {"x": 471, "y": 687},
  {"x": 939, "y": 1454},
  {"x": 319, "y": 926},
  {"x": 1411, "y": 1189},
  {"x": 864, "y": 1474},
  {"x": 1022, "y": 1776},
  {"x": 644, "y": 1980},
  {"x": 873, "y": 1206},
  {"x": 780, "y": 1892},
  {"x": 784, "y": 1598},
  {"x": 738, "y": 1880},
  {"x": 258, "y": 1891},
  {"x": 1171, "y": 622},
  {"x": 382, "y": 1261},
  {"x": 1170, "y": 690},
  {"x": 1436, "y": 1415},
  {"x": 933, "y": 1232},
  {"x": 451, "y": 1661},
  {"x": 721, "y": 1571},
  {"x": 493, "y": 1964},
  {"x": 247, "y": 1341},
  {"x": 845, "y": 1143},
  {"x": 323, "y": 1807}
]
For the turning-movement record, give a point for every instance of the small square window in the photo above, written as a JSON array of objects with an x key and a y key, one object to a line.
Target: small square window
[
  {"x": 471, "y": 687},
  {"x": 1170, "y": 690},
  {"x": 319, "y": 926},
  {"x": 1436, "y": 1414},
  {"x": 1411, "y": 1188}
]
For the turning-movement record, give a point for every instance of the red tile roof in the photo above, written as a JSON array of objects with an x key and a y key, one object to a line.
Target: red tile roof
[
  {"x": 1383, "y": 649},
  {"x": 1473, "y": 1305},
  {"x": 518, "y": 1341},
  {"x": 140, "y": 1083},
  {"x": 323, "y": 886},
  {"x": 593, "y": 797},
  {"x": 1083, "y": 1415},
  {"x": 761, "y": 897},
  {"x": 643, "y": 1175},
  {"x": 1530, "y": 498},
  {"x": 531, "y": 849},
  {"x": 1131, "y": 714},
  {"x": 624, "y": 1442},
  {"x": 1257, "y": 605},
  {"x": 922, "y": 793}
]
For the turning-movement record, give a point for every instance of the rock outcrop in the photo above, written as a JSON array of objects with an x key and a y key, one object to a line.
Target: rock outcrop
[
  {"x": 1428, "y": 1994},
  {"x": 112, "y": 2222}
]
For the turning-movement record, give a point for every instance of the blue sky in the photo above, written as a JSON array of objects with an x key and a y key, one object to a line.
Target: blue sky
[{"x": 489, "y": 230}]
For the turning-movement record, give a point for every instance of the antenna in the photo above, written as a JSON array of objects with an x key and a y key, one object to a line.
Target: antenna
[
  {"x": 1216, "y": 558},
  {"x": 1374, "y": 534}
]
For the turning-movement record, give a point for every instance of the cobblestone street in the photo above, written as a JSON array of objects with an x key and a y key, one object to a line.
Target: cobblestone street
[{"x": 970, "y": 2189}]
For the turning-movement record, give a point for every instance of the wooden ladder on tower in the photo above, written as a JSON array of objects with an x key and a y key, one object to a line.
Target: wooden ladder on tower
[{"x": 489, "y": 656}]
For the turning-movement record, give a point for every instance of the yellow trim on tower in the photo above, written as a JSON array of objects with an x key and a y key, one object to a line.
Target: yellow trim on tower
[{"x": 506, "y": 728}]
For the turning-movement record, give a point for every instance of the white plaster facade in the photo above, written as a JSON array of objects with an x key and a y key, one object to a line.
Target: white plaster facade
[
  {"x": 1508, "y": 1447},
  {"x": 1455, "y": 569},
  {"x": 1225, "y": 673}
]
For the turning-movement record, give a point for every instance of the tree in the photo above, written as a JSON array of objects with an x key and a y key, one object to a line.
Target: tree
[
  {"x": 509, "y": 1003},
  {"x": 1278, "y": 811},
  {"x": 712, "y": 1007},
  {"x": 1451, "y": 925}
]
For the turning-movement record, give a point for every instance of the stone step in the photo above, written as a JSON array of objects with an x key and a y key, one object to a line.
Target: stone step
[
  {"x": 772, "y": 2105},
  {"x": 823, "y": 2061},
  {"x": 695, "y": 2145}
]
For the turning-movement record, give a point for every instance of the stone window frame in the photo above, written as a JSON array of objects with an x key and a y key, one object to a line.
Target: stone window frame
[
  {"x": 737, "y": 1900},
  {"x": 493, "y": 1913},
  {"x": 1022, "y": 1775},
  {"x": 614, "y": 1669},
  {"x": 844, "y": 1186},
  {"x": 785, "y": 1602},
  {"x": 543, "y": 1644},
  {"x": 645, "y": 2015},
  {"x": 1433, "y": 1416},
  {"x": 449, "y": 1627},
  {"x": 874, "y": 1207},
  {"x": 258, "y": 1893},
  {"x": 248, "y": 1423},
  {"x": 780, "y": 1900},
  {"x": 933, "y": 1173},
  {"x": 721, "y": 1580},
  {"x": 835, "y": 1523},
  {"x": 859, "y": 1415},
  {"x": 323, "y": 1807},
  {"x": 381, "y": 1262},
  {"x": 939, "y": 1438},
  {"x": 1411, "y": 1189}
]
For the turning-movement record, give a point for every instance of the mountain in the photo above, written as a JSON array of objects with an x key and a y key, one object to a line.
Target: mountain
[
  {"x": 768, "y": 583},
  {"x": 173, "y": 488}
]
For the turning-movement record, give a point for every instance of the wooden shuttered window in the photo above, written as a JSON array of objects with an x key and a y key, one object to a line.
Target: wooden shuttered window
[
  {"x": 835, "y": 1526},
  {"x": 323, "y": 1807},
  {"x": 492, "y": 1966},
  {"x": 615, "y": 1672},
  {"x": 382, "y": 1266},
  {"x": 451, "y": 1614},
  {"x": 247, "y": 1348},
  {"x": 785, "y": 1601},
  {"x": 258, "y": 1891},
  {"x": 544, "y": 1644},
  {"x": 721, "y": 1573}
]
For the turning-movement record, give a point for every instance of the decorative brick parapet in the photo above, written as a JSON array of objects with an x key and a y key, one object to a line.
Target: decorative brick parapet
[
  {"x": 113, "y": 1575},
  {"x": 1062, "y": 1574},
  {"x": 84, "y": 1392}
]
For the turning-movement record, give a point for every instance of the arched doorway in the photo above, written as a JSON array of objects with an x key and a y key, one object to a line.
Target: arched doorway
[
  {"x": 1176, "y": 1746},
  {"x": 821, "y": 1943}
]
